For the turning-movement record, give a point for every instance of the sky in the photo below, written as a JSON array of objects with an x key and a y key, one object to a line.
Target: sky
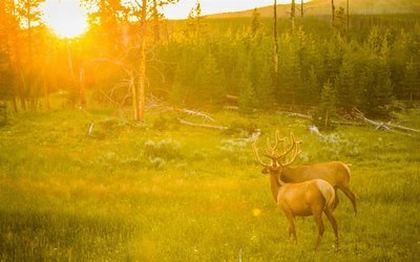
[
  {"x": 68, "y": 19},
  {"x": 183, "y": 7}
]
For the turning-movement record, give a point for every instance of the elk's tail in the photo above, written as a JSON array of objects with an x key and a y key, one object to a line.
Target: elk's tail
[{"x": 327, "y": 192}]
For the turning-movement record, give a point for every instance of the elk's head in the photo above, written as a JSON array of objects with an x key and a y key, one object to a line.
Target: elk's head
[{"x": 278, "y": 160}]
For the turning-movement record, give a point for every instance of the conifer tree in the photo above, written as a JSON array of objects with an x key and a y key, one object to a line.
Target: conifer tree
[
  {"x": 256, "y": 23},
  {"x": 209, "y": 81},
  {"x": 411, "y": 80},
  {"x": 247, "y": 96},
  {"x": 326, "y": 110}
]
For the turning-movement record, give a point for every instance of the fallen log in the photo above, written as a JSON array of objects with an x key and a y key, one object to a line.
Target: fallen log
[
  {"x": 403, "y": 128},
  {"x": 90, "y": 129},
  {"x": 378, "y": 125},
  {"x": 233, "y": 108},
  {"x": 188, "y": 123},
  {"x": 193, "y": 113},
  {"x": 309, "y": 117},
  {"x": 232, "y": 98},
  {"x": 297, "y": 115}
]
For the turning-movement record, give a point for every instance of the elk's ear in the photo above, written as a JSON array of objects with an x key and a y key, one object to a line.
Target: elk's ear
[
  {"x": 265, "y": 170},
  {"x": 278, "y": 167}
]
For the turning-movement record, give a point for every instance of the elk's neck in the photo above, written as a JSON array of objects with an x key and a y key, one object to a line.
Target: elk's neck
[
  {"x": 275, "y": 186},
  {"x": 288, "y": 174}
]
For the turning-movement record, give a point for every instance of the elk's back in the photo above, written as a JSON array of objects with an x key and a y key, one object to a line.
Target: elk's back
[{"x": 334, "y": 172}]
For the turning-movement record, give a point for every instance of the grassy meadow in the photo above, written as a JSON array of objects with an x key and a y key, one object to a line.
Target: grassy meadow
[{"x": 168, "y": 192}]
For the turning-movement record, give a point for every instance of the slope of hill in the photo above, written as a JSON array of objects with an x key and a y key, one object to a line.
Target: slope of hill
[{"x": 323, "y": 7}]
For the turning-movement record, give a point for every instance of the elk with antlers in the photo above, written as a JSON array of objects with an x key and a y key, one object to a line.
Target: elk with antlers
[
  {"x": 312, "y": 197},
  {"x": 335, "y": 172}
]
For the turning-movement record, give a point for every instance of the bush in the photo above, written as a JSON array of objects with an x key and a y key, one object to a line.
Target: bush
[
  {"x": 241, "y": 128},
  {"x": 166, "y": 149}
]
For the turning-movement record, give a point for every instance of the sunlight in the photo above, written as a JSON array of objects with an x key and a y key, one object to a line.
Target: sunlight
[{"x": 65, "y": 17}]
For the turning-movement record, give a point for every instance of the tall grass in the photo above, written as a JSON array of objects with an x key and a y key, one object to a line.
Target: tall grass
[{"x": 68, "y": 196}]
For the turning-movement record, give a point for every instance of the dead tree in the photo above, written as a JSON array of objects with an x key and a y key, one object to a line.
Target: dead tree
[
  {"x": 301, "y": 9},
  {"x": 293, "y": 15},
  {"x": 348, "y": 15},
  {"x": 276, "y": 47}
]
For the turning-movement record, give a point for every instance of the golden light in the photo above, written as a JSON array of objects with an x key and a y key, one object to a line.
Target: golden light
[{"x": 65, "y": 17}]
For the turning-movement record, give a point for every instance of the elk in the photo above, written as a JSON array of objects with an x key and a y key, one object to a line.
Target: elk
[
  {"x": 309, "y": 198},
  {"x": 336, "y": 173}
]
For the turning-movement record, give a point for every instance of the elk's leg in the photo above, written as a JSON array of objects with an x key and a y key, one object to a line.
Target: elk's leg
[
  {"x": 333, "y": 223},
  {"x": 336, "y": 201},
  {"x": 320, "y": 225},
  {"x": 292, "y": 228},
  {"x": 351, "y": 196}
]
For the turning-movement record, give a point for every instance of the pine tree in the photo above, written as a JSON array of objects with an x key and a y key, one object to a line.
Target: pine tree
[
  {"x": 313, "y": 88},
  {"x": 326, "y": 110},
  {"x": 209, "y": 81},
  {"x": 411, "y": 80},
  {"x": 256, "y": 23},
  {"x": 247, "y": 96},
  {"x": 345, "y": 85}
]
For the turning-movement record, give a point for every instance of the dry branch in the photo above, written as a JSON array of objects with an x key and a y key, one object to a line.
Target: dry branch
[
  {"x": 381, "y": 125},
  {"x": 403, "y": 128},
  {"x": 184, "y": 122},
  {"x": 90, "y": 129},
  {"x": 232, "y": 98},
  {"x": 194, "y": 113},
  {"x": 297, "y": 115},
  {"x": 232, "y": 108}
]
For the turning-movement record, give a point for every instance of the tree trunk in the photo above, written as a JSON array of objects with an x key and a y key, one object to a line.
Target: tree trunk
[
  {"x": 276, "y": 47},
  {"x": 14, "y": 102},
  {"x": 332, "y": 13},
  {"x": 139, "y": 92},
  {"x": 46, "y": 94},
  {"x": 71, "y": 69},
  {"x": 301, "y": 9},
  {"x": 82, "y": 93},
  {"x": 156, "y": 28},
  {"x": 348, "y": 15},
  {"x": 21, "y": 90},
  {"x": 292, "y": 15}
]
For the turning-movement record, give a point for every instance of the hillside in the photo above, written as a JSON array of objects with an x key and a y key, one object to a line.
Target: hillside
[{"x": 323, "y": 7}]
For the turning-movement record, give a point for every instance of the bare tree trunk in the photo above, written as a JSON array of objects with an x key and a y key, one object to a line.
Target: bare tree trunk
[
  {"x": 348, "y": 15},
  {"x": 46, "y": 94},
  {"x": 332, "y": 13},
  {"x": 276, "y": 47},
  {"x": 140, "y": 90},
  {"x": 21, "y": 90},
  {"x": 156, "y": 26},
  {"x": 71, "y": 68},
  {"x": 292, "y": 15},
  {"x": 14, "y": 102},
  {"x": 301, "y": 9},
  {"x": 82, "y": 92},
  {"x": 30, "y": 65}
]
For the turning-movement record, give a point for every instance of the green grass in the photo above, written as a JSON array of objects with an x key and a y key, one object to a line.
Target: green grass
[{"x": 67, "y": 196}]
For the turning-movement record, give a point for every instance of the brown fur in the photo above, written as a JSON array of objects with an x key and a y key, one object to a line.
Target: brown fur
[
  {"x": 335, "y": 172},
  {"x": 309, "y": 198}
]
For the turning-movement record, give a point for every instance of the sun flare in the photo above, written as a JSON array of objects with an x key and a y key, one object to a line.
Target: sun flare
[{"x": 65, "y": 17}]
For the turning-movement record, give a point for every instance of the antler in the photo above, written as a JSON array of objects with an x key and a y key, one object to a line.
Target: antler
[
  {"x": 285, "y": 153},
  {"x": 295, "y": 153},
  {"x": 257, "y": 156},
  {"x": 278, "y": 159},
  {"x": 271, "y": 149}
]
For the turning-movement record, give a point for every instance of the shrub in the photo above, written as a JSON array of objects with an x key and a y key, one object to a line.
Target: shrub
[{"x": 166, "y": 149}]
